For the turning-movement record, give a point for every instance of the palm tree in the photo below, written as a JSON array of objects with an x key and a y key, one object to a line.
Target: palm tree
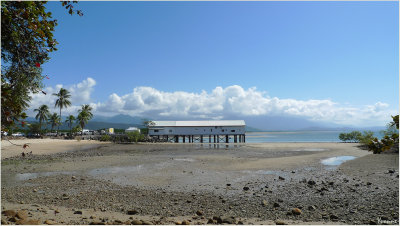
[
  {"x": 88, "y": 109},
  {"x": 85, "y": 114},
  {"x": 82, "y": 119},
  {"x": 62, "y": 101},
  {"x": 42, "y": 115},
  {"x": 70, "y": 120},
  {"x": 54, "y": 120}
]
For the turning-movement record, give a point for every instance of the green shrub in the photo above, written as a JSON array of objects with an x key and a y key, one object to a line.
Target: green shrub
[{"x": 105, "y": 137}]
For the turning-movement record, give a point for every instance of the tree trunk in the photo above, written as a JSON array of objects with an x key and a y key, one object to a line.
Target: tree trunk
[{"x": 58, "y": 128}]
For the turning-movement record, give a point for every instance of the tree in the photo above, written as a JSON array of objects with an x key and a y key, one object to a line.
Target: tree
[
  {"x": 85, "y": 114},
  {"x": 390, "y": 141},
  {"x": 26, "y": 40},
  {"x": 43, "y": 114},
  {"x": 62, "y": 101},
  {"x": 366, "y": 137},
  {"x": 70, "y": 120},
  {"x": 54, "y": 121},
  {"x": 34, "y": 129}
]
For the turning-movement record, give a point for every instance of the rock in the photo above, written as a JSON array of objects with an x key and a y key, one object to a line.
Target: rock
[
  {"x": 293, "y": 171},
  {"x": 312, "y": 207},
  {"x": 132, "y": 212},
  {"x": 22, "y": 214},
  {"x": 199, "y": 213},
  {"x": 97, "y": 223},
  {"x": 30, "y": 222},
  {"x": 311, "y": 182},
  {"x": 146, "y": 223},
  {"x": 56, "y": 211},
  {"x": 331, "y": 183},
  {"x": 391, "y": 171},
  {"x": 229, "y": 220},
  {"x": 9, "y": 213},
  {"x": 117, "y": 221},
  {"x": 178, "y": 222},
  {"x": 50, "y": 222},
  {"x": 73, "y": 177},
  {"x": 78, "y": 212},
  {"x": 264, "y": 203},
  {"x": 296, "y": 211},
  {"x": 333, "y": 217},
  {"x": 185, "y": 222},
  {"x": 280, "y": 200},
  {"x": 218, "y": 219},
  {"x": 136, "y": 222},
  {"x": 281, "y": 178},
  {"x": 279, "y": 222},
  {"x": 369, "y": 183},
  {"x": 246, "y": 188},
  {"x": 35, "y": 190},
  {"x": 228, "y": 185},
  {"x": 210, "y": 221},
  {"x": 276, "y": 204}
]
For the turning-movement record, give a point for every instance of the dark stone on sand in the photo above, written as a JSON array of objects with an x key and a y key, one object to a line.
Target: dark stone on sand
[
  {"x": 312, "y": 207},
  {"x": 311, "y": 182},
  {"x": 218, "y": 219},
  {"x": 228, "y": 185},
  {"x": 333, "y": 217},
  {"x": 229, "y": 220},
  {"x": 391, "y": 171},
  {"x": 296, "y": 211},
  {"x": 281, "y": 178},
  {"x": 246, "y": 188},
  {"x": 199, "y": 213},
  {"x": 78, "y": 212},
  {"x": 276, "y": 204},
  {"x": 132, "y": 212}
]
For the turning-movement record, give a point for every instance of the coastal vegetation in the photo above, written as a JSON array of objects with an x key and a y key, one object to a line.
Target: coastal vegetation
[
  {"x": 390, "y": 140},
  {"x": 62, "y": 101}
]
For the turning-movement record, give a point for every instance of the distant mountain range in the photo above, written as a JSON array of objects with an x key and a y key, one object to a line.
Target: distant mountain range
[{"x": 253, "y": 124}]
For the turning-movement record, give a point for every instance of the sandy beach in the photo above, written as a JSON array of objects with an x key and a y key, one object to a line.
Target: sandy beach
[{"x": 270, "y": 183}]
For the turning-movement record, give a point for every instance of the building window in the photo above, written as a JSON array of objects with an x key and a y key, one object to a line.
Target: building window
[
  {"x": 223, "y": 130},
  {"x": 211, "y": 130},
  {"x": 233, "y": 130},
  {"x": 170, "y": 130},
  {"x": 156, "y": 130}
]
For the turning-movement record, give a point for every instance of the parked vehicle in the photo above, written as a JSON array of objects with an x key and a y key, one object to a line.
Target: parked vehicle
[{"x": 18, "y": 134}]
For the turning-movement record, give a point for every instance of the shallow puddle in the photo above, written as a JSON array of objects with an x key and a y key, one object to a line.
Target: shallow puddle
[
  {"x": 336, "y": 161},
  {"x": 27, "y": 176}
]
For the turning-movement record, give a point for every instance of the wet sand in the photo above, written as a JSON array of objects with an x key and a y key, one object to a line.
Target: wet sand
[{"x": 254, "y": 183}]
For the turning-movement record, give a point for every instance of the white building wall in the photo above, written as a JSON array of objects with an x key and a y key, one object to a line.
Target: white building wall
[{"x": 195, "y": 130}]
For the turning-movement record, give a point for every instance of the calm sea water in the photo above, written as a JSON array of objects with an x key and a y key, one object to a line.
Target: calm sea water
[{"x": 296, "y": 136}]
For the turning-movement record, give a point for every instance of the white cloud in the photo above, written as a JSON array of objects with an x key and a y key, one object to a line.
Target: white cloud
[{"x": 232, "y": 100}]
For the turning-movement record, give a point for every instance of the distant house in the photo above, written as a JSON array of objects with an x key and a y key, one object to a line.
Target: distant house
[
  {"x": 220, "y": 130},
  {"x": 132, "y": 129}
]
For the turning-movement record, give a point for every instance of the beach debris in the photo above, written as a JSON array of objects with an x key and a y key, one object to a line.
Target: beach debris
[
  {"x": 296, "y": 211},
  {"x": 132, "y": 212}
]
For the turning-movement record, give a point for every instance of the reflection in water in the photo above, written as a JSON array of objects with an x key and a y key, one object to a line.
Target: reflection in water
[{"x": 27, "y": 176}]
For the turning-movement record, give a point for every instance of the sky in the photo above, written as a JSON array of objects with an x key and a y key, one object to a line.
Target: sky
[{"x": 328, "y": 62}]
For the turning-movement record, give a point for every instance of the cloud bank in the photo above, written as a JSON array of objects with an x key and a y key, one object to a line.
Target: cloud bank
[{"x": 218, "y": 104}]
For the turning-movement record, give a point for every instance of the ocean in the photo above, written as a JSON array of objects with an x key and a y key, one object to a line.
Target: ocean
[{"x": 297, "y": 136}]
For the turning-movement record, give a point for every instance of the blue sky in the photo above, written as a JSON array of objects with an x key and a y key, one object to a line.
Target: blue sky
[{"x": 343, "y": 53}]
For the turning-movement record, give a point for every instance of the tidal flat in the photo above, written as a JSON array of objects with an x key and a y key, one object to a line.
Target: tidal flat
[{"x": 257, "y": 183}]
